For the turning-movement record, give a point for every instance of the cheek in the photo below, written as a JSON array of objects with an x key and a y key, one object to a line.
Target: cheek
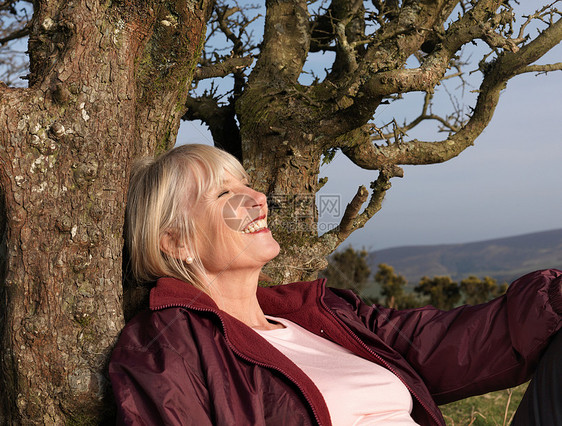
[
  {"x": 209, "y": 233},
  {"x": 221, "y": 237},
  {"x": 223, "y": 253}
]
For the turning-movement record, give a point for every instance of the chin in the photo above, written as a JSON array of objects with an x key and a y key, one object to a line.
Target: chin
[{"x": 272, "y": 251}]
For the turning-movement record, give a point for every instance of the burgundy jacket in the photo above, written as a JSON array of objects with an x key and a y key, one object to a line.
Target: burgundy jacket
[{"x": 185, "y": 362}]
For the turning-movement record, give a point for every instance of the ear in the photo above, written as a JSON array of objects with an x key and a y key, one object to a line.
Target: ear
[{"x": 172, "y": 246}]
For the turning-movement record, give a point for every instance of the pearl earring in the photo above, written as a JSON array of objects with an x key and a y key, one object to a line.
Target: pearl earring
[{"x": 189, "y": 260}]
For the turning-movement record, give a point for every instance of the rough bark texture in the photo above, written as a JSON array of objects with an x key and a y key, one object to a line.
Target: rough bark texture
[
  {"x": 285, "y": 127},
  {"x": 108, "y": 83}
]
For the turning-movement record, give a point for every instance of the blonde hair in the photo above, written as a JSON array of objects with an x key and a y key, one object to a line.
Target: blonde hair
[{"x": 161, "y": 193}]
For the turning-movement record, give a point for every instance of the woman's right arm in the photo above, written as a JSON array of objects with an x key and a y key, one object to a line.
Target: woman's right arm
[
  {"x": 473, "y": 349},
  {"x": 157, "y": 387}
]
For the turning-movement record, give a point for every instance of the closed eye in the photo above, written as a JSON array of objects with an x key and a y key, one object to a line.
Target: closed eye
[{"x": 223, "y": 193}]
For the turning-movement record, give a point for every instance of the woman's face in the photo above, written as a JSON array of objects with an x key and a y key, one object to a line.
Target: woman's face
[{"x": 232, "y": 232}]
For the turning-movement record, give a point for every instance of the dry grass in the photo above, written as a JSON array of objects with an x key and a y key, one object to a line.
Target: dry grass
[{"x": 491, "y": 409}]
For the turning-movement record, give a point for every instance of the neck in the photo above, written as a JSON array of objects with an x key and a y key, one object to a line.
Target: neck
[{"x": 235, "y": 293}]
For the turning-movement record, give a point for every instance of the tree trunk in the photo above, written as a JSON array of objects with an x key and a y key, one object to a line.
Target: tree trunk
[
  {"x": 287, "y": 171},
  {"x": 108, "y": 83},
  {"x": 282, "y": 147}
]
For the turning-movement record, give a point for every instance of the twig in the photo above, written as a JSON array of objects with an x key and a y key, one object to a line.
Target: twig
[
  {"x": 509, "y": 393},
  {"x": 222, "y": 69}
]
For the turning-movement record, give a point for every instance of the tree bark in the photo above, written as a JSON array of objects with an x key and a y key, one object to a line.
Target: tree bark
[{"x": 108, "y": 83}]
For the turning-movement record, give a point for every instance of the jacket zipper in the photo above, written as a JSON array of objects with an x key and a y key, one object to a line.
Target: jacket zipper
[
  {"x": 241, "y": 355},
  {"x": 376, "y": 356}
]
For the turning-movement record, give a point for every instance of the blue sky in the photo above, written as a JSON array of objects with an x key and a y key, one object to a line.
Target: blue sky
[{"x": 508, "y": 183}]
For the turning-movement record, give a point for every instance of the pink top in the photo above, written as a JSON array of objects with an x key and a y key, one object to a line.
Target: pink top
[{"x": 356, "y": 391}]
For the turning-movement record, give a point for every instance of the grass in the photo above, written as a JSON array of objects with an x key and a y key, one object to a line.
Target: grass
[{"x": 491, "y": 409}]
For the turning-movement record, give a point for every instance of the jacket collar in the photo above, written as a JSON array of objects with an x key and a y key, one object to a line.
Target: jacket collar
[
  {"x": 276, "y": 300},
  {"x": 170, "y": 292}
]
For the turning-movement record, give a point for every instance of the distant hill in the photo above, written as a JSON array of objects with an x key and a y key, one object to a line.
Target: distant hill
[{"x": 503, "y": 259}]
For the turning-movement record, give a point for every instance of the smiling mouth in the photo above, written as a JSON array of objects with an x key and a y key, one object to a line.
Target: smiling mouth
[{"x": 255, "y": 226}]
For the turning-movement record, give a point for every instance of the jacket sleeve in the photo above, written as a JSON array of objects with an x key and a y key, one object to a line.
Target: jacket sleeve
[
  {"x": 474, "y": 349},
  {"x": 156, "y": 387}
]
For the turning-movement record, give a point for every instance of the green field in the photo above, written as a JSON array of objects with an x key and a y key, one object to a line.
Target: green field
[{"x": 495, "y": 408}]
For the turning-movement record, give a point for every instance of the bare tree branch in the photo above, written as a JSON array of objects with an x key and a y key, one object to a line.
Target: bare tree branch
[
  {"x": 222, "y": 69},
  {"x": 9, "y": 5},
  {"x": 369, "y": 156},
  {"x": 15, "y": 24},
  {"x": 287, "y": 30},
  {"x": 349, "y": 32},
  {"x": 545, "y": 14},
  {"x": 233, "y": 21},
  {"x": 452, "y": 123},
  {"x": 511, "y": 63},
  {"x": 21, "y": 33},
  {"x": 391, "y": 51},
  {"x": 426, "y": 77},
  {"x": 351, "y": 212},
  {"x": 352, "y": 220},
  {"x": 223, "y": 13},
  {"x": 220, "y": 119},
  {"x": 542, "y": 68}
]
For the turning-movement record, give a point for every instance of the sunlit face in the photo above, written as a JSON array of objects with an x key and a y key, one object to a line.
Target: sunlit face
[{"x": 232, "y": 232}]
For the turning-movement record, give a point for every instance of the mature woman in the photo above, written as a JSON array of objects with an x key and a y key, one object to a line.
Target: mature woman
[{"x": 215, "y": 348}]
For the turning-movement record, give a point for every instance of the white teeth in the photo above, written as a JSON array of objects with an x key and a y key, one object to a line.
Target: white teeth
[{"x": 256, "y": 225}]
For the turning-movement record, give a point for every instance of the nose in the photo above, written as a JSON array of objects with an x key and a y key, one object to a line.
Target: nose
[{"x": 258, "y": 199}]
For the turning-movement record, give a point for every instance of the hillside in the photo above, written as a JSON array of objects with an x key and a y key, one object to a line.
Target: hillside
[{"x": 503, "y": 259}]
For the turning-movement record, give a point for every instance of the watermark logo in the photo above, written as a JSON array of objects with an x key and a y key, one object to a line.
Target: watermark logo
[
  {"x": 329, "y": 205},
  {"x": 239, "y": 211},
  {"x": 294, "y": 213}
]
